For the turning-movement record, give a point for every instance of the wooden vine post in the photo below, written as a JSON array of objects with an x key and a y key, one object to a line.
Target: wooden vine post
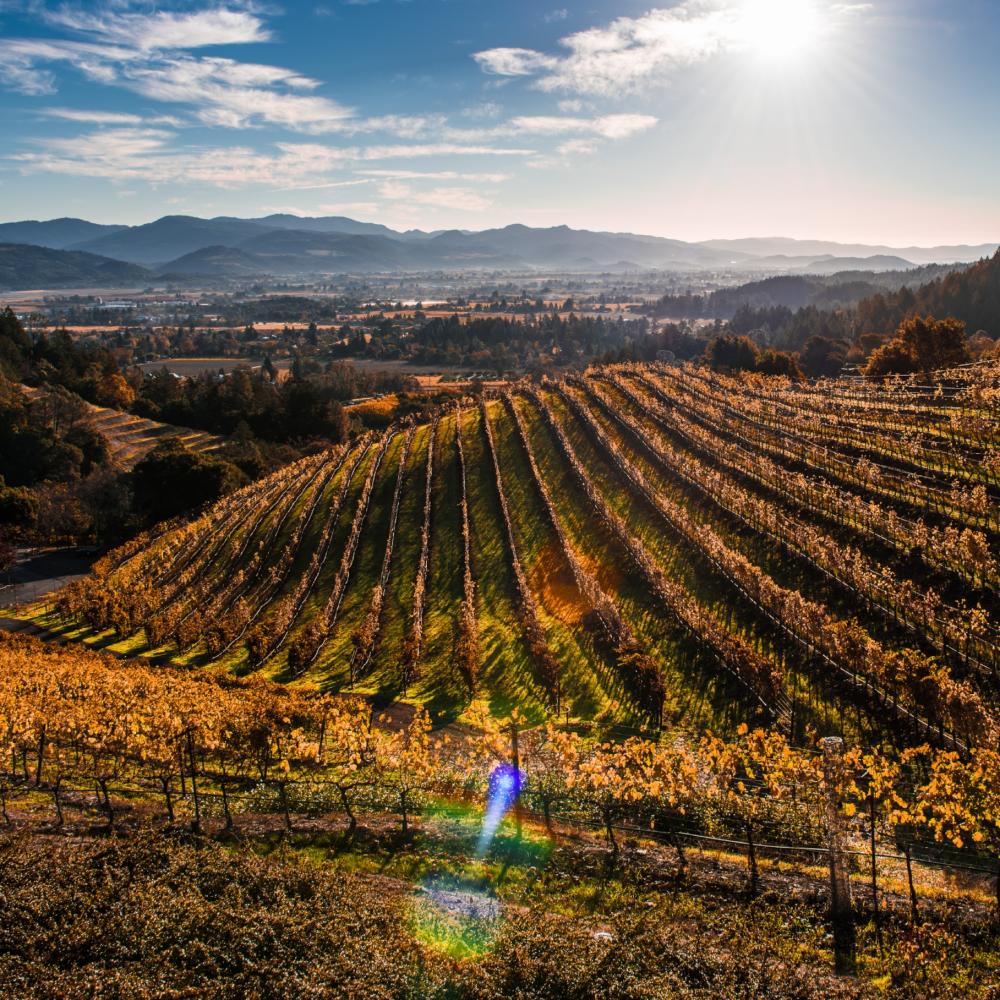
[
  {"x": 515, "y": 759},
  {"x": 841, "y": 908}
]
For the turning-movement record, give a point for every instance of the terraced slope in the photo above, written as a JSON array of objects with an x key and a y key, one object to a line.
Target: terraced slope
[
  {"x": 131, "y": 438},
  {"x": 647, "y": 544}
]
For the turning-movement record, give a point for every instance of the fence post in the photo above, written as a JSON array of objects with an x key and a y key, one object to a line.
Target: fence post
[{"x": 841, "y": 908}]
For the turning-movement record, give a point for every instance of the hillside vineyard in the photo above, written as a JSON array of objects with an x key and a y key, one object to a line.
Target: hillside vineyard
[{"x": 649, "y": 545}]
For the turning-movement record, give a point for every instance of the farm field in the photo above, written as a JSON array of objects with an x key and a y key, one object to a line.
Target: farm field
[
  {"x": 642, "y": 545},
  {"x": 193, "y": 367}
]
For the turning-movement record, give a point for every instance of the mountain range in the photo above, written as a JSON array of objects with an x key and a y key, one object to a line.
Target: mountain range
[{"x": 186, "y": 247}]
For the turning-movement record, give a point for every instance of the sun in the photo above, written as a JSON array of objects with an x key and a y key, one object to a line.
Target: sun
[{"x": 780, "y": 31}]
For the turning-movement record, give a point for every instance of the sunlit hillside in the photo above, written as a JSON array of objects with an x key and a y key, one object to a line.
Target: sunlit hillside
[{"x": 642, "y": 544}]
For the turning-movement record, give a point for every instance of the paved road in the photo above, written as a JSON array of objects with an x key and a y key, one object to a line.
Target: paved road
[{"x": 45, "y": 571}]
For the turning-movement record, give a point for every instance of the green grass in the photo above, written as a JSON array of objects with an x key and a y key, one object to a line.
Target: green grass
[
  {"x": 440, "y": 685},
  {"x": 331, "y": 670},
  {"x": 505, "y": 667}
]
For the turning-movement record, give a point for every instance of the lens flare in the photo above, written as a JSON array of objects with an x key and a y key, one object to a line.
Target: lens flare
[
  {"x": 457, "y": 919},
  {"x": 505, "y": 787}
]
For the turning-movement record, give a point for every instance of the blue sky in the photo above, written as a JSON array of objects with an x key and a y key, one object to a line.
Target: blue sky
[{"x": 871, "y": 121}]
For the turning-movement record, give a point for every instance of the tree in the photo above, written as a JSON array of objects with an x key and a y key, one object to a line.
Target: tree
[
  {"x": 172, "y": 480},
  {"x": 921, "y": 344},
  {"x": 114, "y": 391},
  {"x": 18, "y": 508},
  {"x": 407, "y": 762},
  {"x": 779, "y": 363},
  {"x": 822, "y": 357},
  {"x": 729, "y": 353},
  {"x": 15, "y": 345}
]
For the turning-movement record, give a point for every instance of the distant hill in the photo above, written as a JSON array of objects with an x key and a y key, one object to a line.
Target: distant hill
[
  {"x": 777, "y": 245},
  {"x": 561, "y": 246},
  {"x": 23, "y": 266},
  {"x": 214, "y": 262},
  {"x": 796, "y": 291},
  {"x": 329, "y": 224},
  {"x": 287, "y": 251},
  {"x": 56, "y": 233},
  {"x": 171, "y": 237},
  {"x": 877, "y": 262},
  {"x": 289, "y": 244},
  {"x": 971, "y": 295}
]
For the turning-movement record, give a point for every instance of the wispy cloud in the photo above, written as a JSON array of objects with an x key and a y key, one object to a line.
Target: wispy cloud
[
  {"x": 163, "y": 29},
  {"x": 154, "y": 52},
  {"x": 437, "y": 175},
  {"x": 109, "y": 117},
  {"x": 236, "y": 94},
  {"x": 514, "y": 62},
  {"x": 151, "y": 155},
  {"x": 606, "y": 126},
  {"x": 463, "y": 199}
]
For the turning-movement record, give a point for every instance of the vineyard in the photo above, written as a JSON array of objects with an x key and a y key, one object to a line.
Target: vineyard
[
  {"x": 651, "y": 593},
  {"x": 204, "y": 747},
  {"x": 649, "y": 546}
]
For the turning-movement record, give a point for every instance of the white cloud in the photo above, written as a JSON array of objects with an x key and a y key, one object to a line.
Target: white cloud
[
  {"x": 403, "y": 126},
  {"x": 630, "y": 52},
  {"x": 485, "y": 109},
  {"x": 514, "y": 62},
  {"x": 440, "y": 149},
  {"x": 20, "y": 59},
  {"x": 147, "y": 53},
  {"x": 576, "y": 147},
  {"x": 235, "y": 95}
]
